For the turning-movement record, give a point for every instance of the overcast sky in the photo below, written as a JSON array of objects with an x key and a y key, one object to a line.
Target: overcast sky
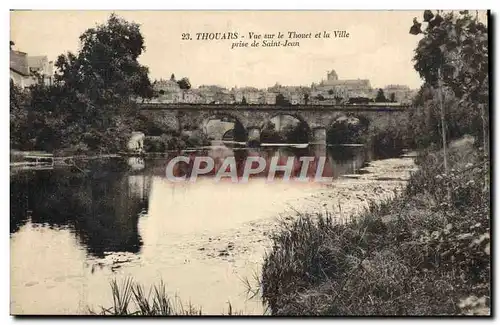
[{"x": 379, "y": 47}]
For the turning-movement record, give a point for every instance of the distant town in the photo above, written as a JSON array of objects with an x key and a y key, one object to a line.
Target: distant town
[{"x": 26, "y": 70}]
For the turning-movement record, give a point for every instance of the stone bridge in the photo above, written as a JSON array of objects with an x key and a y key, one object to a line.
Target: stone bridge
[{"x": 252, "y": 118}]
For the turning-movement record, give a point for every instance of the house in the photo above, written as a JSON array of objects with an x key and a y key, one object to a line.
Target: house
[
  {"x": 41, "y": 66},
  {"x": 28, "y": 70},
  {"x": 19, "y": 69}
]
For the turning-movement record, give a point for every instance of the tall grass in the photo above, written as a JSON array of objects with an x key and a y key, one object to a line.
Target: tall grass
[
  {"x": 417, "y": 254},
  {"x": 132, "y": 299}
]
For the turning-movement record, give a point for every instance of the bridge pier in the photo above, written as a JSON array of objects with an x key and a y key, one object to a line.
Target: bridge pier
[
  {"x": 253, "y": 136},
  {"x": 319, "y": 135}
]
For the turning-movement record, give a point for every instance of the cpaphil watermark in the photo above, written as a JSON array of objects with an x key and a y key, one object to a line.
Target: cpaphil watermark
[{"x": 303, "y": 169}]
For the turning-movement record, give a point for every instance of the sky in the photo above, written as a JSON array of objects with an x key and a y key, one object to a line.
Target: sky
[{"x": 379, "y": 47}]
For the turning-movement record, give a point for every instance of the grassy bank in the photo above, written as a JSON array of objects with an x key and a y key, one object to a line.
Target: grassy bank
[{"x": 424, "y": 253}]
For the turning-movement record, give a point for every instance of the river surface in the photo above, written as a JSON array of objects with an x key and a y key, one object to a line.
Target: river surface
[{"x": 73, "y": 232}]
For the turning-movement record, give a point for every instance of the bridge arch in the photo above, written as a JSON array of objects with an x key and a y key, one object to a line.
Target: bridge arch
[
  {"x": 238, "y": 129},
  {"x": 302, "y": 124},
  {"x": 347, "y": 128}
]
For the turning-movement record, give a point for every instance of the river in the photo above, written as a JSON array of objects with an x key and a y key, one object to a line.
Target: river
[{"x": 72, "y": 232}]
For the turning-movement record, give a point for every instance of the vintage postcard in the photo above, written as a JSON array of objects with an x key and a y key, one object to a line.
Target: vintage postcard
[{"x": 280, "y": 163}]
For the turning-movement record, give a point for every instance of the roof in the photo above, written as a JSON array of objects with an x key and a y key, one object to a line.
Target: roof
[
  {"x": 19, "y": 62},
  {"x": 37, "y": 61}
]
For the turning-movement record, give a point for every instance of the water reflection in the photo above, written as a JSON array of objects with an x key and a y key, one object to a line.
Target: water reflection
[
  {"x": 102, "y": 211},
  {"x": 103, "y": 208}
]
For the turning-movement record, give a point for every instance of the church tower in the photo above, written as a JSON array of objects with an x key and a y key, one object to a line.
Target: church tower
[{"x": 332, "y": 75}]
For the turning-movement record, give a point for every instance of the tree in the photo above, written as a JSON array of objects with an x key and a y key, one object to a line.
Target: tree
[
  {"x": 454, "y": 51},
  {"x": 19, "y": 124},
  {"x": 457, "y": 45},
  {"x": 393, "y": 97},
  {"x": 330, "y": 92},
  {"x": 306, "y": 98},
  {"x": 380, "y": 96},
  {"x": 280, "y": 99},
  {"x": 106, "y": 69},
  {"x": 244, "y": 101},
  {"x": 452, "y": 58},
  {"x": 172, "y": 77},
  {"x": 296, "y": 133},
  {"x": 269, "y": 134},
  {"x": 184, "y": 84},
  {"x": 90, "y": 104}
]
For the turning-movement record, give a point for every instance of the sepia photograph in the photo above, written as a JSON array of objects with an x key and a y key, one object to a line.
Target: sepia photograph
[{"x": 250, "y": 163}]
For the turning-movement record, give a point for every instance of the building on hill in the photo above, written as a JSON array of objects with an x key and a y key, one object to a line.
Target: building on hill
[
  {"x": 168, "y": 91},
  {"x": 345, "y": 88},
  {"x": 402, "y": 93}
]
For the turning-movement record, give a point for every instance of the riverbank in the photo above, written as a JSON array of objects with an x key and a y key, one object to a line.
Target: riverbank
[{"x": 425, "y": 252}]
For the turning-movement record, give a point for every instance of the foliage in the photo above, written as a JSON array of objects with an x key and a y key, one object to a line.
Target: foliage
[
  {"x": 281, "y": 100},
  {"x": 456, "y": 44},
  {"x": 269, "y": 134},
  {"x": 306, "y": 98},
  {"x": 106, "y": 70},
  {"x": 296, "y": 133},
  {"x": 453, "y": 50},
  {"x": 389, "y": 135},
  {"x": 91, "y": 101},
  {"x": 461, "y": 118},
  {"x": 19, "y": 129},
  {"x": 320, "y": 97},
  {"x": 184, "y": 83},
  {"x": 418, "y": 254},
  {"x": 380, "y": 98},
  {"x": 351, "y": 129},
  {"x": 132, "y": 299},
  {"x": 291, "y": 133}
]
